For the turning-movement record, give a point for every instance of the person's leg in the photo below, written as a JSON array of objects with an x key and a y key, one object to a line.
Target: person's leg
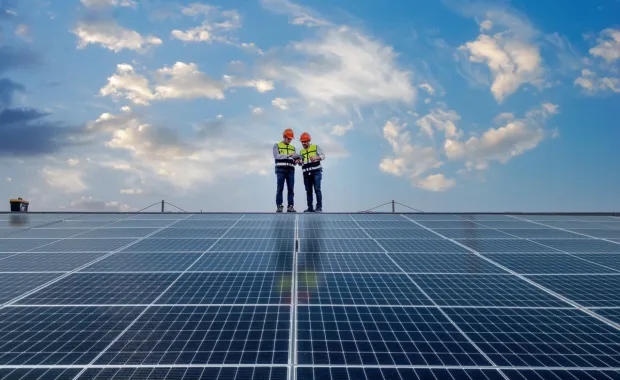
[
  {"x": 318, "y": 176},
  {"x": 290, "y": 182},
  {"x": 308, "y": 185},
  {"x": 280, "y": 178}
]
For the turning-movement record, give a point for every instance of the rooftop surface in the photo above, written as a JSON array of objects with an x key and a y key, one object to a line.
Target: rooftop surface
[{"x": 309, "y": 296}]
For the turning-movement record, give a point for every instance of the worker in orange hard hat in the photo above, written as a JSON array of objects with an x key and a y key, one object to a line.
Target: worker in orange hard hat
[
  {"x": 312, "y": 155},
  {"x": 285, "y": 158}
]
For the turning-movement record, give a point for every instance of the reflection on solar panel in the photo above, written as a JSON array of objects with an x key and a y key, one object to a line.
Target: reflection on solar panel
[{"x": 309, "y": 296}]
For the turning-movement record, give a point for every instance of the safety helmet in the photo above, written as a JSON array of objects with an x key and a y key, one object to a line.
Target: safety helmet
[
  {"x": 288, "y": 133},
  {"x": 304, "y": 137}
]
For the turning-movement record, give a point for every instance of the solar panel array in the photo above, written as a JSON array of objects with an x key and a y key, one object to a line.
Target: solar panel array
[{"x": 309, "y": 296}]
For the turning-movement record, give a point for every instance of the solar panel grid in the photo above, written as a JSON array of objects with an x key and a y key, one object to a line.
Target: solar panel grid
[{"x": 356, "y": 270}]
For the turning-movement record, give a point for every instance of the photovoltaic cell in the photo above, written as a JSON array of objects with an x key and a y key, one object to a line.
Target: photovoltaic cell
[
  {"x": 13, "y": 285},
  {"x": 444, "y": 263},
  {"x": 400, "y": 233},
  {"x": 49, "y": 233},
  {"x": 205, "y": 335},
  {"x": 171, "y": 245},
  {"x": 38, "y": 373},
  {"x": 322, "y": 223},
  {"x": 386, "y": 224},
  {"x": 373, "y": 373},
  {"x": 610, "y": 260},
  {"x": 47, "y": 262},
  {"x": 358, "y": 335},
  {"x": 335, "y": 233},
  {"x": 59, "y": 335},
  {"x": 582, "y": 246},
  {"x": 608, "y": 233},
  {"x": 254, "y": 245},
  {"x": 189, "y": 233},
  {"x": 190, "y": 373},
  {"x": 421, "y": 245},
  {"x": 358, "y": 289},
  {"x": 196, "y": 223},
  {"x": 85, "y": 245},
  {"x": 339, "y": 245},
  {"x": 471, "y": 233},
  {"x": 117, "y": 233},
  {"x": 484, "y": 290},
  {"x": 542, "y": 233},
  {"x": 345, "y": 262},
  {"x": 588, "y": 291},
  {"x": 540, "y": 337},
  {"x": 102, "y": 288},
  {"x": 505, "y": 245},
  {"x": 260, "y": 233},
  {"x": 245, "y": 261},
  {"x": 548, "y": 263},
  {"x": 229, "y": 288},
  {"x": 144, "y": 262},
  {"x": 21, "y": 245}
]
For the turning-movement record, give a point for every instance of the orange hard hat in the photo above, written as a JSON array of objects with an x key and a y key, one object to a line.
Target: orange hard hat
[
  {"x": 288, "y": 133},
  {"x": 304, "y": 137}
]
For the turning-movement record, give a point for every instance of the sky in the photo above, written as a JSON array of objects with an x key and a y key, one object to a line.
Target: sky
[{"x": 440, "y": 105}]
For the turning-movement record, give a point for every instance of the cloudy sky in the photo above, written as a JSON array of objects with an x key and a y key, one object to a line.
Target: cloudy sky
[{"x": 442, "y": 105}]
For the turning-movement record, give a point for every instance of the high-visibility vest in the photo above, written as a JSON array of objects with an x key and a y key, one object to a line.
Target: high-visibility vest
[
  {"x": 285, "y": 149},
  {"x": 309, "y": 166}
]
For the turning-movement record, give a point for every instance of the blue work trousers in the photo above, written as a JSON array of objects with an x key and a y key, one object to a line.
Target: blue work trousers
[
  {"x": 312, "y": 180},
  {"x": 287, "y": 176}
]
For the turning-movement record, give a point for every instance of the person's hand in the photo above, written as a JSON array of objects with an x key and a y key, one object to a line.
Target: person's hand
[
  {"x": 290, "y": 154},
  {"x": 314, "y": 158}
]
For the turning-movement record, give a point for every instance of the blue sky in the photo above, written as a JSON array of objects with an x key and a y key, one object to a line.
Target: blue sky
[{"x": 442, "y": 105}]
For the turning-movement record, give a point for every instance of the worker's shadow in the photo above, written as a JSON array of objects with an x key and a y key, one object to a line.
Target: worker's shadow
[{"x": 310, "y": 258}]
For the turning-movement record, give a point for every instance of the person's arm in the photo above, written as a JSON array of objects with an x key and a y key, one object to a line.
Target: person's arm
[
  {"x": 276, "y": 153},
  {"x": 320, "y": 153}
]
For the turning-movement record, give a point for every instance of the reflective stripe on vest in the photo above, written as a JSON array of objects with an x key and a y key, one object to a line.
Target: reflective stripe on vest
[
  {"x": 285, "y": 149},
  {"x": 307, "y": 165}
]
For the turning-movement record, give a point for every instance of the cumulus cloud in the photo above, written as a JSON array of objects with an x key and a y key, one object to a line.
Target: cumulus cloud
[
  {"x": 601, "y": 73},
  {"x": 503, "y": 143},
  {"x": 442, "y": 120},
  {"x": 179, "y": 81},
  {"x": 436, "y": 182},
  {"x": 407, "y": 159},
  {"x": 215, "y": 21},
  {"x": 507, "y": 47},
  {"x": 108, "y": 3},
  {"x": 344, "y": 68},
  {"x": 112, "y": 36},
  {"x": 281, "y": 103},
  {"x": 341, "y": 130}
]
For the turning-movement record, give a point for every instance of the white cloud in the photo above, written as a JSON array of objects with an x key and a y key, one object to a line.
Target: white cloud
[
  {"x": 132, "y": 191},
  {"x": 257, "y": 111},
  {"x": 341, "y": 130},
  {"x": 112, "y": 36},
  {"x": 23, "y": 31},
  {"x": 9, "y": 179},
  {"x": 601, "y": 72},
  {"x": 407, "y": 160},
  {"x": 428, "y": 88},
  {"x": 512, "y": 56},
  {"x": 298, "y": 15},
  {"x": 344, "y": 68},
  {"x": 67, "y": 180},
  {"x": 503, "y": 143},
  {"x": 608, "y": 46},
  {"x": 281, "y": 103},
  {"x": 90, "y": 204},
  {"x": 180, "y": 81},
  {"x": 436, "y": 182},
  {"x": 73, "y": 161},
  {"x": 185, "y": 81},
  {"x": 592, "y": 83},
  {"x": 441, "y": 120},
  {"x": 109, "y": 3},
  {"x": 126, "y": 83}
]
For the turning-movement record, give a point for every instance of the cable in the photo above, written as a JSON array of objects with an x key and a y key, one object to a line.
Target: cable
[
  {"x": 175, "y": 206},
  {"x": 409, "y": 207},
  {"x": 156, "y": 203}
]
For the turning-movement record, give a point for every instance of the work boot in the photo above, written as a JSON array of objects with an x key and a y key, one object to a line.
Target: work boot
[
  {"x": 280, "y": 208},
  {"x": 309, "y": 209},
  {"x": 290, "y": 209},
  {"x": 319, "y": 209}
]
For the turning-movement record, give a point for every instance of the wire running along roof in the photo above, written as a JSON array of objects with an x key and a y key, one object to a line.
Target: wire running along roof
[{"x": 309, "y": 296}]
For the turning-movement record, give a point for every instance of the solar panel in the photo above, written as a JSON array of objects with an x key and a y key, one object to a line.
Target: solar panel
[{"x": 309, "y": 296}]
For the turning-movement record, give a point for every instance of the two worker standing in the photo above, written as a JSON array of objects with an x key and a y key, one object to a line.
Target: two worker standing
[{"x": 309, "y": 158}]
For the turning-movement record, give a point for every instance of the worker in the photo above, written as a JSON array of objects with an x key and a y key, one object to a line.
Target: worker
[
  {"x": 285, "y": 158},
  {"x": 312, "y": 170}
]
